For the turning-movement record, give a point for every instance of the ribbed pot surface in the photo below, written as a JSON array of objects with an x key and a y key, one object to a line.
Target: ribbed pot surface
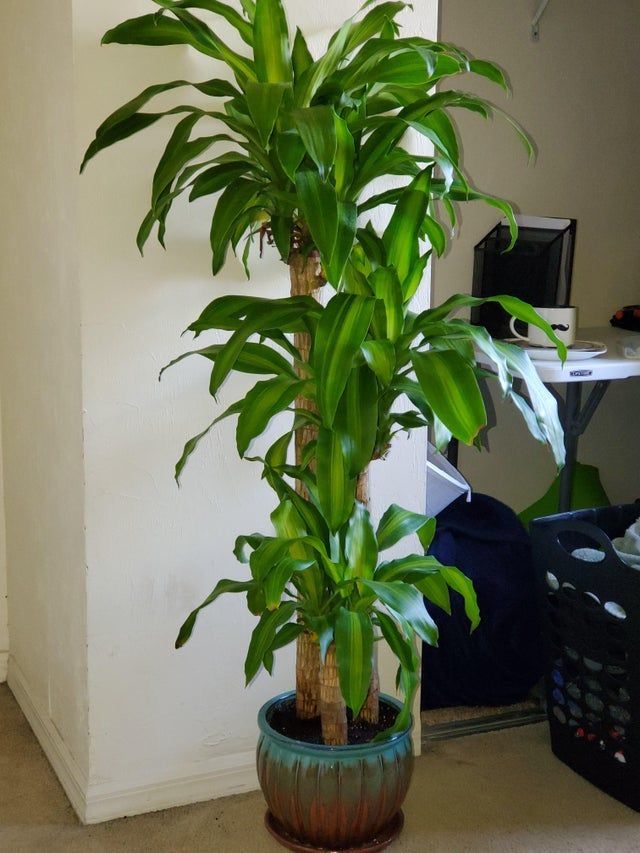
[{"x": 332, "y": 797}]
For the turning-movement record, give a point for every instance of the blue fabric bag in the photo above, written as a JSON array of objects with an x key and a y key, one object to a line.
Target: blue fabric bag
[{"x": 501, "y": 661}]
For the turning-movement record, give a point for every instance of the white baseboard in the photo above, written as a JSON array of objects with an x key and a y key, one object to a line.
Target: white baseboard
[
  {"x": 71, "y": 777},
  {"x": 94, "y": 803},
  {"x": 109, "y": 802},
  {"x": 4, "y": 661}
]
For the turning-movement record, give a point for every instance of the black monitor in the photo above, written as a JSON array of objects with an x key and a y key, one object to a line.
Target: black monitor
[{"x": 538, "y": 269}]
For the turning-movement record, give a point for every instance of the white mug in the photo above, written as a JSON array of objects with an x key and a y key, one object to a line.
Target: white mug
[{"x": 563, "y": 321}]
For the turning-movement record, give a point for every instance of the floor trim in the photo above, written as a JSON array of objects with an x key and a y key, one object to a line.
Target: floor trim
[
  {"x": 4, "y": 663},
  {"x": 71, "y": 776},
  {"x": 109, "y": 802},
  {"x": 94, "y": 803},
  {"x": 479, "y": 725}
]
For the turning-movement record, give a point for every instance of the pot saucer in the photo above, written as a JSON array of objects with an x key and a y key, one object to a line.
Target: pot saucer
[{"x": 382, "y": 840}]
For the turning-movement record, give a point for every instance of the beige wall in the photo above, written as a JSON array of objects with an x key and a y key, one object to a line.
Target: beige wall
[
  {"x": 576, "y": 91},
  {"x": 4, "y": 624},
  {"x": 40, "y": 370}
]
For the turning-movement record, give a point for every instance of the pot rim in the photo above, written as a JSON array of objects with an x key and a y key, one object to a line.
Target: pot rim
[{"x": 350, "y": 750}]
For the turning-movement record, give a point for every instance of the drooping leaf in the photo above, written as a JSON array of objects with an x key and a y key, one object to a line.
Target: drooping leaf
[
  {"x": 192, "y": 444},
  {"x": 396, "y": 523},
  {"x": 354, "y": 655},
  {"x": 406, "y": 601},
  {"x": 217, "y": 8},
  {"x": 234, "y": 200},
  {"x": 264, "y": 635},
  {"x": 278, "y": 578},
  {"x": 450, "y": 387},
  {"x": 262, "y": 403},
  {"x": 222, "y": 587}
]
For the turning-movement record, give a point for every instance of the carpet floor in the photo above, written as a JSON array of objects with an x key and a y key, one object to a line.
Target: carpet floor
[{"x": 502, "y": 792}]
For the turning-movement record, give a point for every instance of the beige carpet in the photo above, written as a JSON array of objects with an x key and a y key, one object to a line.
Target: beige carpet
[{"x": 496, "y": 792}]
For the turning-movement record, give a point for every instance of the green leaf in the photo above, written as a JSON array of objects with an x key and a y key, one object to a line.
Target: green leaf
[
  {"x": 354, "y": 655},
  {"x": 178, "y": 152},
  {"x": 205, "y": 40},
  {"x": 450, "y": 387},
  {"x": 127, "y": 119},
  {"x": 263, "y": 101},
  {"x": 301, "y": 56},
  {"x": 397, "y": 523},
  {"x": 345, "y": 156},
  {"x": 435, "y": 235},
  {"x": 386, "y": 286},
  {"x": 489, "y": 70},
  {"x": 413, "y": 281},
  {"x": 262, "y": 403},
  {"x": 347, "y": 226},
  {"x": 361, "y": 548},
  {"x": 381, "y": 358},
  {"x": 264, "y": 635},
  {"x": 319, "y": 205},
  {"x": 311, "y": 80},
  {"x": 435, "y": 589},
  {"x": 459, "y": 582},
  {"x": 150, "y": 30},
  {"x": 222, "y": 587},
  {"x": 230, "y": 15},
  {"x": 409, "y": 569},
  {"x": 216, "y": 178},
  {"x": 316, "y": 126},
  {"x": 399, "y": 645},
  {"x": 253, "y": 359},
  {"x": 401, "y": 237},
  {"x": 336, "y": 489},
  {"x": 357, "y": 419},
  {"x": 191, "y": 445},
  {"x": 341, "y": 331},
  {"x": 290, "y": 151},
  {"x": 437, "y": 127},
  {"x": 271, "y": 43},
  {"x": 406, "y": 601},
  {"x": 234, "y": 200},
  {"x": 279, "y": 577}
]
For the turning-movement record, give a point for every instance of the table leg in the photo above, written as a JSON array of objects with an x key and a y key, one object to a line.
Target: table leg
[{"x": 569, "y": 419}]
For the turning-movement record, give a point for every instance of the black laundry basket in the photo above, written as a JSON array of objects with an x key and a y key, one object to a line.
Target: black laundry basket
[
  {"x": 591, "y": 628},
  {"x": 590, "y": 615}
]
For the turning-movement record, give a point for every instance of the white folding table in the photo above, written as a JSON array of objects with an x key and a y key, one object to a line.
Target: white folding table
[{"x": 601, "y": 370}]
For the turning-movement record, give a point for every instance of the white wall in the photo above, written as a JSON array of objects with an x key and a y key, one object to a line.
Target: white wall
[
  {"x": 4, "y": 624},
  {"x": 166, "y": 727},
  {"x": 40, "y": 373},
  {"x": 575, "y": 91}
]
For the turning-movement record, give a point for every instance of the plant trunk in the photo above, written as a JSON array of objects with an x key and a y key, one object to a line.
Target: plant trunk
[
  {"x": 333, "y": 712},
  {"x": 307, "y": 677},
  {"x": 306, "y": 280},
  {"x": 370, "y": 712}
]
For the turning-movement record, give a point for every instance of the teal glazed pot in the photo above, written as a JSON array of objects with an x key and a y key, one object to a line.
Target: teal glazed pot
[{"x": 333, "y": 797}]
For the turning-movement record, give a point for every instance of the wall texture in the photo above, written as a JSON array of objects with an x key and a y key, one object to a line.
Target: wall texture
[
  {"x": 574, "y": 90},
  {"x": 4, "y": 623},
  {"x": 40, "y": 374}
]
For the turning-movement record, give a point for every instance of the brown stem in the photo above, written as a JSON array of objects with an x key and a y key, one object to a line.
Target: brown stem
[
  {"x": 332, "y": 708},
  {"x": 307, "y": 676}
]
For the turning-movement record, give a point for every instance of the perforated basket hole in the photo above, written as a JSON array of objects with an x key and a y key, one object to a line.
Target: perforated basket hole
[
  {"x": 592, "y": 665},
  {"x": 574, "y": 691},
  {"x": 592, "y": 684},
  {"x": 573, "y": 540},
  {"x": 569, "y": 591},
  {"x": 552, "y": 581},
  {"x": 559, "y": 714},
  {"x": 620, "y": 756},
  {"x": 616, "y": 610},
  {"x": 620, "y": 715},
  {"x": 558, "y": 696},
  {"x": 591, "y": 600},
  {"x": 594, "y": 703},
  {"x": 575, "y": 710}
]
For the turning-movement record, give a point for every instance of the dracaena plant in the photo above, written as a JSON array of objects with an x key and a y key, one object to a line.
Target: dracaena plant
[{"x": 301, "y": 145}]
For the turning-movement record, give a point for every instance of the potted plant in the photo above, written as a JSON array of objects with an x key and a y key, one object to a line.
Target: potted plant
[{"x": 304, "y": 141}]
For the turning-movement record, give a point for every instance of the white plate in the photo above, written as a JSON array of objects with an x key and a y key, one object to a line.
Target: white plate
[{"x": 580, "y": 351}]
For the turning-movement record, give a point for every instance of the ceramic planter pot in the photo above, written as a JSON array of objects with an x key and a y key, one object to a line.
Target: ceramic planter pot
[{"x": 333, "y": 798}]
